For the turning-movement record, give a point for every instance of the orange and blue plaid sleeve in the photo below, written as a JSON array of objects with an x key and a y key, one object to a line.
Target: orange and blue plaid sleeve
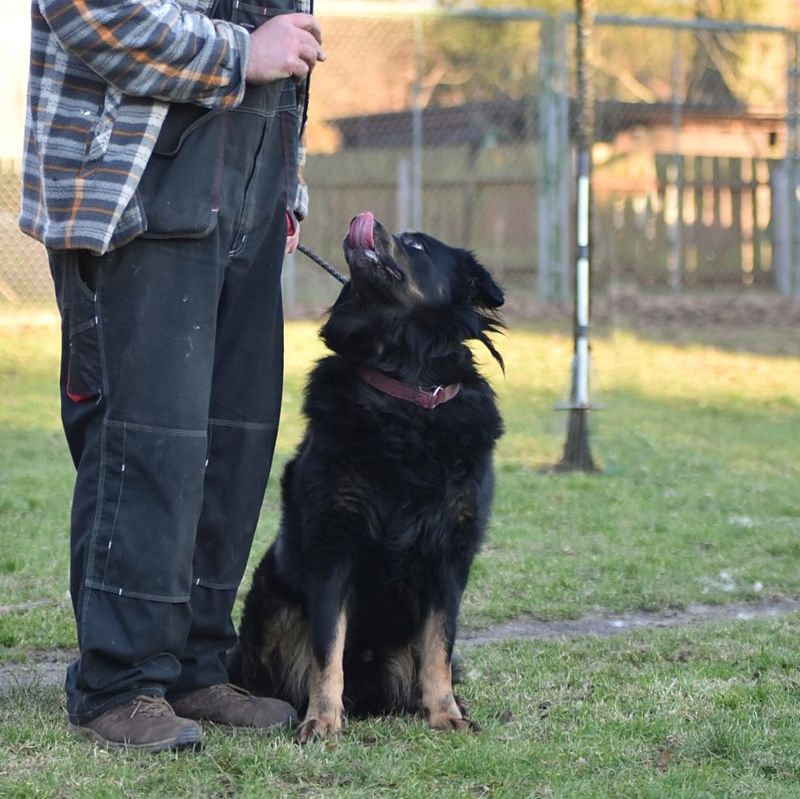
[{"x": 154, "y": 48}]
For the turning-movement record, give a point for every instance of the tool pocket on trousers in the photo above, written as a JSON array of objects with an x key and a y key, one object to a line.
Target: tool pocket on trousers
[
  {"x": 84, "y": 379},
  {"x": 152, "y": 495},
  {"x": 180, "y": 189}
]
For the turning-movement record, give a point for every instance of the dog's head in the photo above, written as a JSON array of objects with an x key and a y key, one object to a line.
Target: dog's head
[
  {"x": 408, "y": 289},
  {"x": 415, "y": 269}
]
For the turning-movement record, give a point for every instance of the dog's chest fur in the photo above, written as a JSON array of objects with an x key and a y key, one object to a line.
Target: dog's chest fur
[{"x": 412, "y": 476}]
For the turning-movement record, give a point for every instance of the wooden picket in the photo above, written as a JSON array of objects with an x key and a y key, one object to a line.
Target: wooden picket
[{"x": 725, "y": 209}]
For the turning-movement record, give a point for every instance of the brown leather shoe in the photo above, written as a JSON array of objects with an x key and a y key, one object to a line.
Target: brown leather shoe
[
  {"x": 233, "y": 706},
  {"x": 143, "y": 724}
]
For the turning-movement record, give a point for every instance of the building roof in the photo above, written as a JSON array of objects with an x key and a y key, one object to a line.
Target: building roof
[{"x": 506, "y": 120}]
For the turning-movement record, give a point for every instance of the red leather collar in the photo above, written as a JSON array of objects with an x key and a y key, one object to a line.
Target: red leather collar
[{"x": 395, "y": 388}]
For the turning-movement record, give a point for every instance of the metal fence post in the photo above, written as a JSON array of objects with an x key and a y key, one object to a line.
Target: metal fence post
[
  {"x": 555, "y": 181},
  {"x": 564, "y": 158},
  {"x": 674, "y": 188},
  {"x": 784, "y": 182},
  {"x": 794, "y": 163},
  {"x": 403, "y": 194},
  {"x": 790, "y": 273},
  {"x": 549, "y": 178},
  {"x": 416, "y": 131}
]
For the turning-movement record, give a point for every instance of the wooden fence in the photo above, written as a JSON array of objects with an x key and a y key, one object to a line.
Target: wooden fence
[{"x": 700, "y": 221}]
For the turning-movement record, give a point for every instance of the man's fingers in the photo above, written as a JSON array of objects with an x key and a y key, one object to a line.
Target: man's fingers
[
  {"x": 307, "y": 23},
  {"x": 310, "y": 54},
  {"x": 289, "y": 44},
  {"x": 299, "y": 69},
  {"x": 309, "y": 46},
  {"x": 292, "y": 233}
]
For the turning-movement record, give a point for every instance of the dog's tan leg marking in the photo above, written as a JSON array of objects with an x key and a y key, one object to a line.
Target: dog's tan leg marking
[
  {"x": 325, "y": 687},
  {"x": 436, "y": 679}
]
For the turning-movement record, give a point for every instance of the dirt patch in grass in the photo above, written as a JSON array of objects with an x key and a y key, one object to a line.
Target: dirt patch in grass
[
  {"x": 607, "y": 625},
  {"x": 47, "y": 667}
]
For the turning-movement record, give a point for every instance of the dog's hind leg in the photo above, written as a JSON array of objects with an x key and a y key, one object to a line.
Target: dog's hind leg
[
  {"x": 328, "y": 627},
  {"x": 271, "y": 657},
  {"x": 437, "y": 703}
]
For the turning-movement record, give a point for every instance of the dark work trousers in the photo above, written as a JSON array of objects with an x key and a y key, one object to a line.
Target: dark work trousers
[{"x": 171, "y": 384}]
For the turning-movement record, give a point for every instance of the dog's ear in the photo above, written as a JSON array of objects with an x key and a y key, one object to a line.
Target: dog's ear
[{"x": 482, "y": 290}]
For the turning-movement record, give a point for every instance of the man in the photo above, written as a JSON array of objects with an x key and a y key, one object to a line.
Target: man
[{"x": 161, "y": 172}]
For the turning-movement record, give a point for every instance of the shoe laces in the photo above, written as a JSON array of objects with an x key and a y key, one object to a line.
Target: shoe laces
[
  {"x": 229, "y": 688},
  {"x": 152, "y": 706}
]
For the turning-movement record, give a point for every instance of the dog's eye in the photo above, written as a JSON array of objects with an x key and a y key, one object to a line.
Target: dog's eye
[{"x": 414, "y": 244}]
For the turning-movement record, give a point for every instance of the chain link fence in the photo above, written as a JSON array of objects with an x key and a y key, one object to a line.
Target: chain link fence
[
  {"x": 430, "y": 122},
  {"x": 460, "y": 124},
  {"x": 24, "y": 274}
]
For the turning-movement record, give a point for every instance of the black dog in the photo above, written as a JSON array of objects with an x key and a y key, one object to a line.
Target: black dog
[{"x": 354, "y": 606}]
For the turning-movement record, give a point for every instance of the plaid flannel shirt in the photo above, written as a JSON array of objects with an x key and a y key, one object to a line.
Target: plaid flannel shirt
[{"x": 102, "y": 75}]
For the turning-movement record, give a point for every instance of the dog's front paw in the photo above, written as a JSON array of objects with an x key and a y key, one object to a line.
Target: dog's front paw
[
  {"x": 449, "y": 721},
  {"x": 450, "y": 715},
  {"x": 444, "y": 721},
  {"x": 319, "y": 727}
]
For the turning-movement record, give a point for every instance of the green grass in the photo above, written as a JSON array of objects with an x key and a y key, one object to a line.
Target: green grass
[
  {"x": 706, "y": 712},
  {"x": 697, "y": 502}
]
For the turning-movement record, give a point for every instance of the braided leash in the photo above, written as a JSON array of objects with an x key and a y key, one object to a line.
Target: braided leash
[{"x": 323, "y": 263}]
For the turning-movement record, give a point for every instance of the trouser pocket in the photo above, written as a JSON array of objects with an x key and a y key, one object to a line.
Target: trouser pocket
[
  {"x": 180, "y": 189},
  {"x": 82, "y": 372},
  {"x": 152, "y": 487}
]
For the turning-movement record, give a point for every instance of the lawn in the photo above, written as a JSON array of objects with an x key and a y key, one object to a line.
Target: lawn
[{"x": 697, "y": 501}]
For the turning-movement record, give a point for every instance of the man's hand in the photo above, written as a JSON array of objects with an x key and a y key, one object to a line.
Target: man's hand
[
  {"x": 292, "y": 233},
  {"x": 288, "y": 46}
]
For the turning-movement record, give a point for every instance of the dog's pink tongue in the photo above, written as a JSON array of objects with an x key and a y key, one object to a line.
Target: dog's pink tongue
[{"x": 361, "y": 230}]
